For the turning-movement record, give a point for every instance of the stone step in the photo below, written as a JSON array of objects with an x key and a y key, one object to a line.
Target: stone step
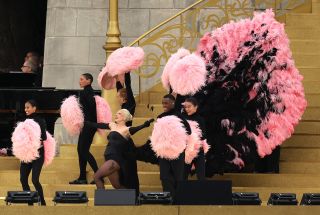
[
  {"x": 316, "y": 8},
  {"x": 305, "y": 46},
  {"x": 143, "y": 110},
  {"x": 290, "y": 157},
  {"x": 11, "y": 178},
  {"x": 295, "y": 32},
  {"x": 310, "y": 74},
  {"x": 303, "y": 20},
  {"x": 313, "y": 99},
  {"x": 300, "y": 167},
  {"x": 306, "y": 60},
  {"x": 302, "y": 141},
  {"x": 272, "y": 180},
  {"x": 305, "y": 127},
  {"x": 300, "y": 154},
  {"x": 71, "y": 161},
  {"x": 312, "y": 113},
  {"x": 311, "y": 86}
]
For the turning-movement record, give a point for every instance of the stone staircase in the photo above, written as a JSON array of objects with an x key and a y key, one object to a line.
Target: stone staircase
[{"x": 300, "y": 155}]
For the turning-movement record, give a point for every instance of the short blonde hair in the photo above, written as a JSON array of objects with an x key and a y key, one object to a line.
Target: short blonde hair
[{"x": 126, "y": 113}]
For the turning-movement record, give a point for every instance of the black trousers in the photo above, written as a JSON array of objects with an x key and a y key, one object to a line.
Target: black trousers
[
  {"x": 270, "y": 163},
  {"x": 171, "y": 173},
  {"x": 35, "y": 166},
  {"x": 199, "y": 163},
  {"x": 84, "y": 143}
]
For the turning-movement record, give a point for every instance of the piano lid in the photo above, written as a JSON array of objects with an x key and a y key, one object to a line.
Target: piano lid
[{"x": 17, "y": 80}]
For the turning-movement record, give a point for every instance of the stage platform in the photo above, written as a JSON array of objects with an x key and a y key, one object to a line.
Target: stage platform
[{"x": 160, "y": 210}]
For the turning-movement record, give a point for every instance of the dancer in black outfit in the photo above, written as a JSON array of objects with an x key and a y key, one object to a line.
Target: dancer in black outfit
[
  {"x": 115, "y": 166},
  {"x": 125, "y": 96},
  {"x": 172, "y": 171},
  {"x": 191, "y": 113},
  {"x": 36, "y": 165},
  {"x": 88, "y": 104}
]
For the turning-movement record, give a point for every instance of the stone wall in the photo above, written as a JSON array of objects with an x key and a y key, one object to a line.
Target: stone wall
[{"x": 75, "y": 34}]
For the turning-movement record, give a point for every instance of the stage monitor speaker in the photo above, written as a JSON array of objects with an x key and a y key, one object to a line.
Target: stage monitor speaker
[
  {"x": 163, "y": 198},
  {"x": 282, "y": 199},
  {"x": 207, "y": 192},
  {"x": 246, "y": 199},
  {"x": 70, "y": 197},
  {"x": 29, "y": 197},
  {"x": 115, "y": 197},
  {"x": 310, "y": 199}
]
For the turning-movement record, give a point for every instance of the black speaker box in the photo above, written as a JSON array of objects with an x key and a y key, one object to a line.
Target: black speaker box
[
  {"x": 209, "y": 192},
  {"x": 282, "y": 199},
  {"x": 246, "y": 199},
  {"x": 115, "y": 197},
  {"x": 73, "y": 197},
  {"x": 22, "y": 197},
  {"x": 310, "y": 199},
  {"x": 163, "y": 198}
]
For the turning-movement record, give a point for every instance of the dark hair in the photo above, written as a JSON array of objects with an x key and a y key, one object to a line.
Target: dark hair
[
  {"x": 192, "y": 100},
  {"x": 123, "y": 93},
  {"x": 88, "y": 76},
  {"x": 34, "y": 53},
  {"x": 32, "y": 102},
  {"x": 169, "y": 96}
]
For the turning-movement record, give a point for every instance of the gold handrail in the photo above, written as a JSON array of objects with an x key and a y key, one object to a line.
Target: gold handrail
[{"x": 166, "y": 21}]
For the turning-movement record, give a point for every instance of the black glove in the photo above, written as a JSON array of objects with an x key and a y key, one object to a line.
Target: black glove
[{"x": 148, "y": 122}]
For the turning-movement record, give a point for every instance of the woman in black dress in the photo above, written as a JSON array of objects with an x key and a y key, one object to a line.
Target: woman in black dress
[{"x": 115, "y": 166}]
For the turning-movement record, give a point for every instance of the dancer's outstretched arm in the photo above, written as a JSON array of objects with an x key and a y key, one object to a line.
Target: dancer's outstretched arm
[
  {"x": 97, "y": 125},
  {"x": 133, "y": 130}
]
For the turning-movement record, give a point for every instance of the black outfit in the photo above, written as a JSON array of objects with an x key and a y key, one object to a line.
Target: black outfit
[
  {"x": 88, "y": 104},
  {"x": 199, "y": 161},
  {"x": 130, "y": 104},
  {"x": 172, "y": 171},
  {"x": 116, "y": 150},
  {"x": 270, "y": 163},
  {"x": 36, "y": 165},
  {"x": 178, "y": 107}
]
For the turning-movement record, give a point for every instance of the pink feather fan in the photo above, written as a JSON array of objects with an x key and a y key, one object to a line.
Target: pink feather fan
[
  {"x": 104, "y": 114},
  {"x": 49, "y": 149},
  {"x": 72, "y": 116},
  {"x": 26, "y": 140},
  {"x": 188, "y": 75},
  {"x": 195, "y": 143},
  {"x": 182, "y": 52},
  {"x": 168, "y": 138},
  {"x": 120, "y": 61}
]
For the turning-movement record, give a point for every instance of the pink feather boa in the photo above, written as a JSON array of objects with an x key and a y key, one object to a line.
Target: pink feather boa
[
  {"x": 72, "y": 116},
  {"x": 182, "y": 52},
  {"x": 195, "y": 143},
  {"x": 26, "y": 140},
  {"x": 49, "y": 149},
  {"x": 104, "y": 114},
  {"x": 168, "y": 138},
  {"x": 188, "y": 75}
]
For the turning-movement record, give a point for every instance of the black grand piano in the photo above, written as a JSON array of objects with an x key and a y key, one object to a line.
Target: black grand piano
[{"x": 15, "y": 90}]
